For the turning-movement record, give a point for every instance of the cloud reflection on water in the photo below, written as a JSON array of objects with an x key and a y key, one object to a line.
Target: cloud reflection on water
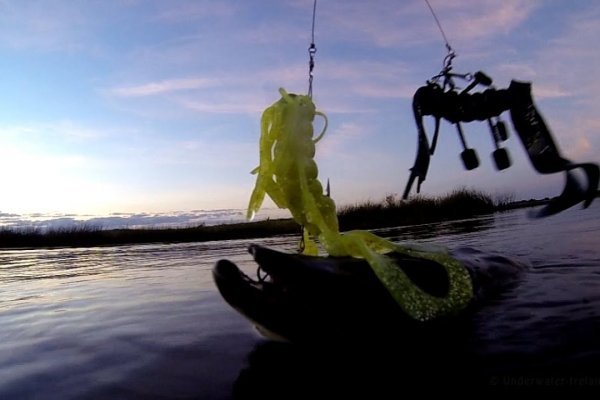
[{"x": 173, "y": 219}]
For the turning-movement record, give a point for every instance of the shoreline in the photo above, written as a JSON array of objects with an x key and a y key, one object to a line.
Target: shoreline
[{"x": 392, "y": 212}]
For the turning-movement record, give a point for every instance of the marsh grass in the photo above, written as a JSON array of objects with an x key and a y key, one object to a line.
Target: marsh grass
[
  {"x": 86, "y": 236},
  {"x": 393, "y": 211},
  {"x": 367, "y": 215}
]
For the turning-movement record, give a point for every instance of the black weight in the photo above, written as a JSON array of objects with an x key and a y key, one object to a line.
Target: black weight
[
  {"x": 501, "y": 159},
  {"x": 470, "y": 159}
]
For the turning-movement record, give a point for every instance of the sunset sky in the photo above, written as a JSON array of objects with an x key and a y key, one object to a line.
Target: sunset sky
[{"x": 150, "y": 106}]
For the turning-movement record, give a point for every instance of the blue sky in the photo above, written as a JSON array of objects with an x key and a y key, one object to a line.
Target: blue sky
[{"x": 152, "y": 106}]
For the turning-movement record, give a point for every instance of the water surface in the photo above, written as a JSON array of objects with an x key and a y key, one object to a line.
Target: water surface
[{"x": 146, "y": 321}]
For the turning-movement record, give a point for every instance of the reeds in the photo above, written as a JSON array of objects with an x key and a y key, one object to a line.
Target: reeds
[
  {"x": 367, "y": 215},
  {"x": 392, "y": 211},
  {"x": 88, "y": 236}
]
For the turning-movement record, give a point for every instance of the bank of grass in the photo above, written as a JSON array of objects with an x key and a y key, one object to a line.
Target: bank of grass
[
  {"x": 89, "y": 236},
  {"x": 394, "y": 211},
  {"x": 389, "y": 212}
]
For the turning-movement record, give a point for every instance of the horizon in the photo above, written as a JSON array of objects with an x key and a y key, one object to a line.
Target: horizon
[
  {"x": 168, "y": 219},
  {"x": 144, "y": 107},
  {"x": 140, "y": 220}
]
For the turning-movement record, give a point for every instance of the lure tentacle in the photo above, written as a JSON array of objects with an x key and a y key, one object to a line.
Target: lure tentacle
[{"x": 324, "y": 128}]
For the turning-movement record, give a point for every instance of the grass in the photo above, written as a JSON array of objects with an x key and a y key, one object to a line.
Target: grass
[
  {"x": 94, "y": 236},
  {"x": 390, "y": 212}
]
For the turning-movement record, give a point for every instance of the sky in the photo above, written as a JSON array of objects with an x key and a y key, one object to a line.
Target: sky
[{"x": 150, "y": 106}]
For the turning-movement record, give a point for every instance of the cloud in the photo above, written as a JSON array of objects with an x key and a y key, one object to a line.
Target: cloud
[
  {"x": 521, "y": 70},
  {"x": 173, "y": 219},
  {"x": 571, "y": 59},
  {"x": 377, "y": 79},
  {"x": 406, "y": 24},
  {"x": 165, "y": 86},
  {"x": 342, "y": 85},
  {"x": 192, "y": 10},
  {"x": 381, "y": 23},
  {"x": 67, "y": 26},
  {"x": 270, "y": 32},
  {"x": 582, "y": 146},
  {"x": 549, "y": 92},
  {"x": 339, "y": 136},
  {"x": 44, "y": 25},
  {"x": 579, "y": 137},
  {"x": 223, "y": 106},
  {"x": 207, "y": 154},
  {"x": 567, "y": 64},
  {"x": 477, "y": 19},
  {"x": 63, "y": 132},
  {"x": 218, "y": 93}
]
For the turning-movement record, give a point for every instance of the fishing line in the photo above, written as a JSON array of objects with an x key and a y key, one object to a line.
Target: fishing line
[
  {"x": 437, "y": 21},
  {"x": 312, "y": 49}
]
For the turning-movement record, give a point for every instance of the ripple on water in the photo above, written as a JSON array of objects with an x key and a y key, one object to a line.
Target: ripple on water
[{"x": 147, "y": 322}]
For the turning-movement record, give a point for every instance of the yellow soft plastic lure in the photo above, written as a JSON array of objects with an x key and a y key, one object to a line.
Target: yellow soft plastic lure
[{"x": 288, "y": 174}]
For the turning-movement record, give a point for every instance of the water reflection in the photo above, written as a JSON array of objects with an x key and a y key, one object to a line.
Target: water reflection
[
  {"x": 447, "y": 228},
  {"x": 543, "y": 331},
  {"x": 369, "y": 369},
  {"x": 146, "y": 321}
]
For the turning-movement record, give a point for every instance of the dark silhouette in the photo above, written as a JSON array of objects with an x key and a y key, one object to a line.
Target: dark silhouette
[
  {"x": 306, "y": 299},
  {"x": 444, "y": 101}
]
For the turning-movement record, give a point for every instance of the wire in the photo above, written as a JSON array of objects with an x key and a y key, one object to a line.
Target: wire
[
  {"x": 313, "y": 21},
  {"x": 312, "y": 49},
  {"x": 437, "y": 21}
]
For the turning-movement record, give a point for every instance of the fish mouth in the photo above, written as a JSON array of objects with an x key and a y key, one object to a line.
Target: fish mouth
[
  {"x": 298, "y": 297},
  {"x": 292, "y": 294}
]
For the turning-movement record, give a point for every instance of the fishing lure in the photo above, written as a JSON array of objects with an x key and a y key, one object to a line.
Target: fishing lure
[
  {"x": 287, "y": 170},
  {"x": 288, "y": 175},
  {"x": 444, "y": 101}
]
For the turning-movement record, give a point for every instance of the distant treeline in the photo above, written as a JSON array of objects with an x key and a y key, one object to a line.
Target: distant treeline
[
  {"x": 368, "y": 215},
  {"x": 87, "y": 236}
]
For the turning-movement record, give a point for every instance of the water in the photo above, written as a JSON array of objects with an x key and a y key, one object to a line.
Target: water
[
  {"x": 146, "y": 321},
  {"x": 172, "y": 219}
]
